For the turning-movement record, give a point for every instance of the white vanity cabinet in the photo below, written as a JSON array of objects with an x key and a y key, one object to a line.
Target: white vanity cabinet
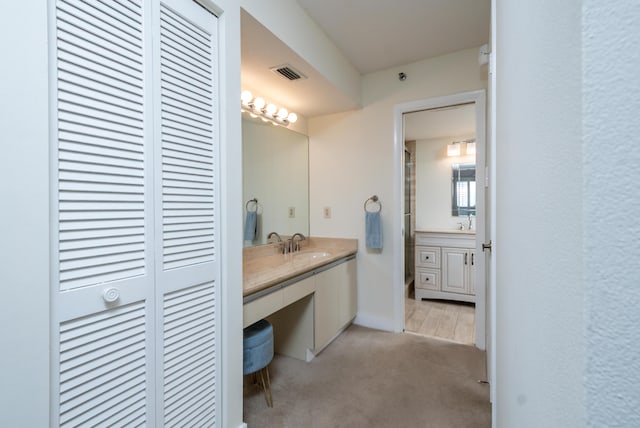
[
  {"x": 458, "y": 270},
  {"x": 445, "y": 265},
  {"x": 335, "y": 302},
  {"x": 308, "y": 313}
]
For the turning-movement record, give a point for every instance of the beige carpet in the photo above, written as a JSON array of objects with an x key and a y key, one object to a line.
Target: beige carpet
[{"x": 368, "y": 378}]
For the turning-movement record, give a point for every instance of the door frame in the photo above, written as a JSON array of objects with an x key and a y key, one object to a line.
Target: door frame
[{"x": 478, "y": 98}]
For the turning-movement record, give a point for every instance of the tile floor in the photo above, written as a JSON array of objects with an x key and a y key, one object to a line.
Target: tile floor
[{"x": 443, "y": 319}]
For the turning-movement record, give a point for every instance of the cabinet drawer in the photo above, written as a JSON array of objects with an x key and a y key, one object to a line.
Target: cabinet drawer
[
  {"x": 428, "y": 279},
  {"x": 297, "y": 291},
  {"x": 428, "y": 257},
  {"x": 262, "y": 307}
]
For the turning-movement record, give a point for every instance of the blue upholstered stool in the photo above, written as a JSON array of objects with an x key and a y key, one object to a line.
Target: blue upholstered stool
[{"x": 258, "y": 353}]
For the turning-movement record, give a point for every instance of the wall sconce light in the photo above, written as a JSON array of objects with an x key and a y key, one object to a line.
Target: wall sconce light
[
  {"x": 471, "y": 148},
  {"x": 258, "y": 107},
  {"x": 453, "y": 149}
]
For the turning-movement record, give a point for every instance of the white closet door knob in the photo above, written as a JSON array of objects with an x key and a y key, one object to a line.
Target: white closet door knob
[{"x": 111, "y": 294}]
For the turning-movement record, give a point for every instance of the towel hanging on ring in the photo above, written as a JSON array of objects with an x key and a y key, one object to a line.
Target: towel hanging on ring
[
  {"x": 373, "y": 225},
  {"x": 251, "y": 221}
]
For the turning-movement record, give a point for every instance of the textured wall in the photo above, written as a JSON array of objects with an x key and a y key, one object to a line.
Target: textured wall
[{"x": 611, "y": 124}]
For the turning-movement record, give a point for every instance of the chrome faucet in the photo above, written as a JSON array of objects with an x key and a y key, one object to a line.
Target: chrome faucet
[
  {"x": 284, "y": 246},
  {"x": 295, "y": 245},
  {"x": 469, "y": 221},
  {"x": 272, "y": 234}
]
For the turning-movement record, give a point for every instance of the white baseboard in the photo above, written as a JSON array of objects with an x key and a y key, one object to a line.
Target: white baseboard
[
  {"x": 375, "y": 323},
  {"x": 244, "y": 425}
]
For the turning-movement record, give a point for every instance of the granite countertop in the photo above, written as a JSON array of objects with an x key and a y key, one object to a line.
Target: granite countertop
[{"x": 265, "y": 266}]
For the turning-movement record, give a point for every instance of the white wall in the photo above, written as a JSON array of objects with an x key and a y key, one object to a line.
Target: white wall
[
  {"x": 539, "y": 245},
  {"x": 611, "y": 234},
  {"x": 231, "y": 216},
  {"x": 24, "y": 216},
  {"x": 351, "y": 158},
  {"x": 433, "y": 183}
]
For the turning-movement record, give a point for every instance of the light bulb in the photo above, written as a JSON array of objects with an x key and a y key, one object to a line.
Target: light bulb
[
  {"x": 271, "y": 109},
  {"x": 282, "y": 113},
  {"x": 258, "y": 103},
  {"x": 246, "y": 97},
  {"x": 471, "y": 148},
  {"x": 292, "y": 118}
]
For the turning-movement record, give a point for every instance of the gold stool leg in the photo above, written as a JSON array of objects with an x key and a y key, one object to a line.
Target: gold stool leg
[{"x": 266, "y": 385}]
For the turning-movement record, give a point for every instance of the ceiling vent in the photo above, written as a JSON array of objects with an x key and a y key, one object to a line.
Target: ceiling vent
[{"x": 288, "y": 72}]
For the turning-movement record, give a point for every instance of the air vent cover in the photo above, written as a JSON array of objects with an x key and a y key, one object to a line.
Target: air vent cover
[{"x": 288, "y": 72}]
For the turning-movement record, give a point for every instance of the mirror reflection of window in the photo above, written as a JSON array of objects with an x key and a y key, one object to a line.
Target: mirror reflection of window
[{"x": 463, "y": 198}]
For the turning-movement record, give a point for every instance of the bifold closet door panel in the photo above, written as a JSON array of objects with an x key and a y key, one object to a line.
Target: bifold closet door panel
[
  {"x": 186, "y": 194},
  {"x": 102, "y": 227},
  {"x": 134, "y": 187}
]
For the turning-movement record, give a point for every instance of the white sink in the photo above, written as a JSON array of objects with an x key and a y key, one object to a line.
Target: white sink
[{"x": 311, "y": 255}]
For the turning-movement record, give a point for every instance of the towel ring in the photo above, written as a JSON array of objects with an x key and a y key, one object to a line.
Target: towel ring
[
  {"x": 255, "y": 201},
  {"x": 373, "y": 199}
]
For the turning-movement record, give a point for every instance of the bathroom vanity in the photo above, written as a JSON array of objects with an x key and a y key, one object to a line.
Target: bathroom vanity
[
  {"x": 445, "y": 264},
  {"x": 308, "y": 296}
]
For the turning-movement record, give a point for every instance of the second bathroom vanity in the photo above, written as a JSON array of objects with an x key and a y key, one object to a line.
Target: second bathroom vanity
[
  {"x": 445, "y": 263},
  {"x": 308, "y": 296}
]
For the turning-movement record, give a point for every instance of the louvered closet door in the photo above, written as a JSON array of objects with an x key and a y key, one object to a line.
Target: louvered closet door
[
  {"x": 187, "y": 268},
  {"x": 134, "y": 197},
  {"x": 103, "y": 307}
]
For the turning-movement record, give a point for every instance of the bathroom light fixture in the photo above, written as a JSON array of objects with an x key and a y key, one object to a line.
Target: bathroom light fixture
[
  {"x": 471, "y": 147},
  {"x": 258, "y": 107},
  {"x": 453, "y": 149}
]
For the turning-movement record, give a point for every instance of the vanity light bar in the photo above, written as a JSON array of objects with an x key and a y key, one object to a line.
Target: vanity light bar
[
  {"x": 455, "y": 148},
  {"x": 258, "y": 107}
]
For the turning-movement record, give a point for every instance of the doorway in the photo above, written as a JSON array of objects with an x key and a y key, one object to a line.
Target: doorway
[{"x": 472, "y": 278}]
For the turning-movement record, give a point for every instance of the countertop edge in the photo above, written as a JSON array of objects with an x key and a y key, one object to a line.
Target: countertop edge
[
  {"x": 263, "y": 268},
  {"x": 297, "y": 272}
]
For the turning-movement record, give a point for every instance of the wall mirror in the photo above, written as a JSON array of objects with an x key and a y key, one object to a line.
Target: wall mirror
[
  {"x": 275, "y": 165},
  {"x": 463, "y": 189}
]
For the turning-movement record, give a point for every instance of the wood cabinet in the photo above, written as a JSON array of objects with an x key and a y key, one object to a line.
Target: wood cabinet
[{"x": 445, "y": 266}]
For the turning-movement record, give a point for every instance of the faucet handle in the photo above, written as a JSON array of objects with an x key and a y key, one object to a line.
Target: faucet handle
[{"x": 295, "y": 244}]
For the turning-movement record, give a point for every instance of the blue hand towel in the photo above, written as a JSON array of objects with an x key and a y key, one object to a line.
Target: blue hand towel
[
  {"x": 373, "y": 235},
  {"x": 251, "y": 226}
]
